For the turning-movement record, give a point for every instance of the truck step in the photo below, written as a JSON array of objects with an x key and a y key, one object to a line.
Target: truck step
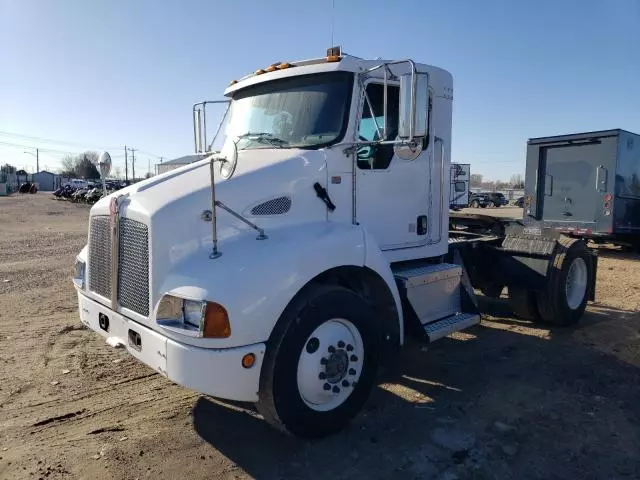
[
  {"x": 454, "y": 323},
  {"x": 432, "y": 290}
]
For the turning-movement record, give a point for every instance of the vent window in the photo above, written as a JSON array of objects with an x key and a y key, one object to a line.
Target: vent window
[{"x": 276, "y": 206}]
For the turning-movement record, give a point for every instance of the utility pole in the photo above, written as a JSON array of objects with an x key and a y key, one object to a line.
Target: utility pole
[
  {"x": 126, "y": 165},
  {"x": 37, "y": 155},
  {"x": 133, "y": 163},
  {"x": 149, "y": 166}
]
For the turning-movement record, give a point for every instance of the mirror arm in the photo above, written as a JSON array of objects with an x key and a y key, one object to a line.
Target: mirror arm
[
  {"x": 384, "y": 108},
  {"x": 373, "y": 117}
]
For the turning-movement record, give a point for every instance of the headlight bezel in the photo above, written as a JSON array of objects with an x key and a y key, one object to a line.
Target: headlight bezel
[
  {"x": 172, "y": 315},
  {"x": 80, "y": 273}
]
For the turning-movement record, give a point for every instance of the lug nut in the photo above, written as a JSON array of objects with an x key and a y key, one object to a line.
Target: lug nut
[
  {"x": 336, "y": 389},
  {"x": 331, "y": 349},
  {"x": 354, "y": 358},
  {"x": 340, "y": 344},
  {"x": 323, "y": 361},
  {"x": 322, "y": 375},
  {"x": 349, "y": 348},
  {"x": 345, "y": 383},
  {"x": 326, "y": 386},
  {"x": 352, "y": 371}
]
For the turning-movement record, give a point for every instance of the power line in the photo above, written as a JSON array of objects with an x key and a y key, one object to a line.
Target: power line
[
  {"x": 83, "y": 146},
  {"x": 149, "y": 153},
  {"x": 49, "y": 140}
]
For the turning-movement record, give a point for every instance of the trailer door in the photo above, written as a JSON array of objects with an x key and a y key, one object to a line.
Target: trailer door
[{"x": 570, "y": 181}]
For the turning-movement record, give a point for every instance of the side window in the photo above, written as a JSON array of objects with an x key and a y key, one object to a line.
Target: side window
[{"x": 378, "y": 157}]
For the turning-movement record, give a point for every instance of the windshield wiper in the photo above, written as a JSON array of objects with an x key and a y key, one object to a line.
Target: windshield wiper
[{"x": 264, "y": 136}]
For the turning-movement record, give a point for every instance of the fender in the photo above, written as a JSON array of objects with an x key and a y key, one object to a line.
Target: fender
[
  {"x": 255, "y": 280},
  {"x": 377, "y": 262}
]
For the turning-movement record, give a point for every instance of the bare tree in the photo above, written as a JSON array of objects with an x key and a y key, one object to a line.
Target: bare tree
[
  {"x": 68, "y": 165},
  {"x": 81, "y": 166},
  {"x": 117, "y": 172},
  {"x": 516, "y": 181},
  {"x": 476, "y": 180}
]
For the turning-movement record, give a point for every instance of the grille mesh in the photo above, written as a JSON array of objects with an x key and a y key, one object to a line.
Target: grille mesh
[
  {"x": 133, "y": 266},
  {"x": 276, "y": 206},
  {"x": 100, "y": 256}
]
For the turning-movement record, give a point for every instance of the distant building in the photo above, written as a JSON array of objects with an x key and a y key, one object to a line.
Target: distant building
[
  {"x": 176, "y": 163},
  {"x": 47, "y": 181},
  {"x": 22, "y": 176}
]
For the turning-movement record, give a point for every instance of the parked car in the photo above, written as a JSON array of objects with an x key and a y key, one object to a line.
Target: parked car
[
  {"x": 478, "y": 200},
  {"x": 496, "y": 199},
  {"x": 519, "y": 202}
]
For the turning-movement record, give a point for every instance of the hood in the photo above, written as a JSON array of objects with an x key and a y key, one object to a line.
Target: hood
[{"x": 270, "y": 187}]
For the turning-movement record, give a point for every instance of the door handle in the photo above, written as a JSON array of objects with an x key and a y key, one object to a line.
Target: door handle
[
  {"x": 601, "y": 178},
  {"x": 421, "y": 228},
  {"x": 548, "y": 185}
]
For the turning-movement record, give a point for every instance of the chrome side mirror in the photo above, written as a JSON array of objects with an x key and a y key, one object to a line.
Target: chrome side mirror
[{"x": 414, "y": 106}]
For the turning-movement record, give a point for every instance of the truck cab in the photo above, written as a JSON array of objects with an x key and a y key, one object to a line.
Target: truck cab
[{"x": 284, "y": 267}]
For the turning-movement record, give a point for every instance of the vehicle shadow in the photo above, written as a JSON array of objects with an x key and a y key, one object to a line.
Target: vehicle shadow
[
  {"x": 558, "y": 397},
  {"x": 617, "y": 253}
]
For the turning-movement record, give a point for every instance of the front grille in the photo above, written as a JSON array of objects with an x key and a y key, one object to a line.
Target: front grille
[
  {"x": 133, "y": 262},
  {"x": 100, "y": 256},
  {"x": 133, "y": 266}
]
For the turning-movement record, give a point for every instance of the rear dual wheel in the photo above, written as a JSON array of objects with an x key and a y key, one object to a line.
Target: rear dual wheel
[
  {"x": 564, "y": 299},
  {"x": 320, "y": 363}
]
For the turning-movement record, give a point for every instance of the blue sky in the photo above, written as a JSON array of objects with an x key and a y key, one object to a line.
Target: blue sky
[{"x": 108, "y": 73}]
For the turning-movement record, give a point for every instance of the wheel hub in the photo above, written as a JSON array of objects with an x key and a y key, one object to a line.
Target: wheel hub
[
  {"x": 337, "y": 366},
  {"x": 576, "y": 283},
  {"x": 330, "y": 364}
]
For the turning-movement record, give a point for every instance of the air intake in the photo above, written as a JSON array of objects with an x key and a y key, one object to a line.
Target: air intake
[{"x": 276, "y": 206}]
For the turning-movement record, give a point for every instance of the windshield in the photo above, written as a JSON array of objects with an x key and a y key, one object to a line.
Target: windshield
[{"x": 304, "y": 112}]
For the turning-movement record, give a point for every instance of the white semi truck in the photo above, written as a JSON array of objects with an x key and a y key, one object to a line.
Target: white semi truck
[{"x": 285, "y": 268}]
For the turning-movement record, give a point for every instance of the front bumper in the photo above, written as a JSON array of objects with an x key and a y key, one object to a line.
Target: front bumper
[{"x": 215, "y": 372}]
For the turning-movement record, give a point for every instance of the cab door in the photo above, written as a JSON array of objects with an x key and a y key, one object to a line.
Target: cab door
[{"x": 392, "y": 194}]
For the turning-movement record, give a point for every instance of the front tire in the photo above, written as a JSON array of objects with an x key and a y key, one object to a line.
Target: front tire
[
  {"x": 320, "y": 363},
  {"x": 475, "y": 204}
]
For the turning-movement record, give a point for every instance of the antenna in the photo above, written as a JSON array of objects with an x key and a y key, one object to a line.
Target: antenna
[{"x": 333, "y": 5}]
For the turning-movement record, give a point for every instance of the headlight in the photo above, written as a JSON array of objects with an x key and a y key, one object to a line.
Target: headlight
[
  {"x": 193, "y": 312},
  {"x": 78, "y": 277},
  {"x": 193, "y": 317}
]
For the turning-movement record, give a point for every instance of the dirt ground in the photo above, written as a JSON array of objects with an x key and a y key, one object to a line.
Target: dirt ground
[{"x": 506, "y": 399}]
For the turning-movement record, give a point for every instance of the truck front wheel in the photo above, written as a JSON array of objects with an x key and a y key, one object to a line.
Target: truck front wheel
[
  {"x": 320, "y": 362},
  {"x": 564, "y": 299}
]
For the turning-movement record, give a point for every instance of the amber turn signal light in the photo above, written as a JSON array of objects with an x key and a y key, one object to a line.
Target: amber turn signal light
[
  {"x": 216, "y": 322},
  {"x": 249, "y": 360}
]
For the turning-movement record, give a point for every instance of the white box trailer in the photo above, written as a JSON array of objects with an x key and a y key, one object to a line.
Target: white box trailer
[
  {"x": 459, "y": 180},
  {"x": 284, "y": 269}
]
